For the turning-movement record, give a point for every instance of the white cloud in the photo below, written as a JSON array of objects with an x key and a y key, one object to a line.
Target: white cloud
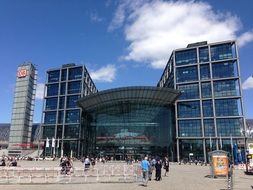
[
  {"x": 245, "y": 38},
  {"x": 95, "y": 18},
  {"x": 104, "y": 74},
  {"x": 40, "y": 91},
  {"x": 248, "y": 83},
  {"x": 155, "y": 28}
]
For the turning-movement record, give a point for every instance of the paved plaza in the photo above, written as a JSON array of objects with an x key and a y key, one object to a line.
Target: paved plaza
[{"x": 180, "y": 177}]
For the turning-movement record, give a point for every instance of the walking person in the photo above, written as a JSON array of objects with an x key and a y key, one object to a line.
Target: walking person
[
  {"x": 166, "y": 166},
  {"x": 158, "y": 170},
  {"x": 145, "y": 166}
]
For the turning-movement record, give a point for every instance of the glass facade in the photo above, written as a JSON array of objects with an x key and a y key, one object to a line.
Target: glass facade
[
  {"x": 61, "y": 116},
  {"x": 211, "y": 103}
]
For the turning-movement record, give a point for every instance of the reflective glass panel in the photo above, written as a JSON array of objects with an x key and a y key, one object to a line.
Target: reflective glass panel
[
  {"x": 50, "y": 117},
  {"x": 222, "y": 51},
  {"x": 203, "y": 54},
  {"x": 206, "y": 91},
  {"x": 209, "y": 127},
  {"x": 71, "y": 101},
  {"x": 227, "y": 107},
  {"x": 74, "y": 87},
  {"x": 71, "y": 131},
  {"x": 75, "y": 73},
  {"x": 204, "y": 72},
  {"x": 188, "y": 109},
  {"x": 53, "y": 76},
  {"x": 226, "y": 88},
  {"x": 60, "y": 116},
  {"x": 51, "y": 103},
  {"x": 72, "y": 116},
  {"x": 229, "y": 126},
  {"x": 62, "y": 103},
  {"x": 186, "y": 57},
  {"x": 189, "y": 91},
  {"x": 185, "y": 74},
  {"x": 48, "y": 132},
  {"x": 189, "y": 128},
  {"x": 191, "y": 150},
  {"x": 224, "y": 69},
  {"x": 52, "y": 89},
  {"x": 207, "y": 107},
  {"x": 63, "y": 74},
  {"x": 63, "y": 88}
]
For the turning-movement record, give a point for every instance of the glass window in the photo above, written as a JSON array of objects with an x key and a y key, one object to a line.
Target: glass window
[
  {"x": 188, "y": 109},
  {"x": 224, "y": 69},
  {"x": 185, "y": 74},
  {"x": 63, "y": 88},
  {"x": 206, "y": 91},
  {"x": 222, "y": 51},
  {"x": 51, "y": 103},
  {"x": 72, "y": 116},
  {"x": 191, "y": 146},
  {"x": 62, "y": 103},
  {"x": 203, "y": 54},
  {"x": 209, "y": 127},
  {"x": 53, "y": 76},
  {"x": 48, "y": 132},
  {"x": 229, "y": 126},
  {"x": 60, "y": 116},
  {"x": 204, "y": 72},
  {"x": 226, "y": 88},
  {"x": 59, "y": 131},
  {"x": 189, "y": 91},
  {"x": 75, "y": 73},
  {"x": 52, "y": 89},
  {"x": 186, "y": 57},
  {"x": 189, "y": 128},
  {"x": 71, "y": 101},
  {"x": 50, "y": 117},
  {"x": 71, "y": 131},
  {"x": 63, "y": 74},
  {"x": 74, "y": 87},
  {"x": 227, "y": 107},
  {"x": 207, "y": 107}
]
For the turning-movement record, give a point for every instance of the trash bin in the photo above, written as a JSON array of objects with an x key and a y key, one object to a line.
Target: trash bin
[{"x": 219, "y": 163}]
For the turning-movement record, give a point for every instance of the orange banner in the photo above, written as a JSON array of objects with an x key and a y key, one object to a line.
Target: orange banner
[{"x": 220, "y": 165}]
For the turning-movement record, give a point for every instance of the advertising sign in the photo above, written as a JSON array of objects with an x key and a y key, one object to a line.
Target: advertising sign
[
  {"x": 22, "y": 73},
  {"x": 220, "y": 165}
]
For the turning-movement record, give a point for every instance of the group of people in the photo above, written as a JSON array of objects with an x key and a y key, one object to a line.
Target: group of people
[
  {"x": 8, "y": 161},
  {"x": 150, "y": 165}
]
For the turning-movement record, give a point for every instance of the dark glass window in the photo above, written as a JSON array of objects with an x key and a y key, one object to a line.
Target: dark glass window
[
  {"x": 63, "y": 74},
  {"x": 185, "y": 74},
  {"x": 62, "y": 103},
  {"x": 71, "y": 131},
  {"x": 189, "y": 128},
  {"x": 204, "y": 72},
  {"x": 53, "y": 76},
  {"x": 188, "y": 109},
  {"x": 75, "y": 73},
  {"x": 203, "y": 54},
  {"x": 229, "y": 126},
  {"x": 225, "y": 88},
  {"x": 51, "y": 103},
  {"x": 60, "y": 116},
  {"x": 52, "y": 89},
  {"x": 209, "y": 127},
  {"x": 71, "y": 101},
  {"x": 207, "y": 106},
  {"x": 189, "y": 91},
  {"x": 224, "y": 69},
  {"x": 223, "y": 51},
  {"x": 48, "y": 131},
  {"x": 186, "y": 57},
  {"x": 206, "y": 91},
  {"x": 63, "y": 88},
  {"x": 74, "y": 87},
  {"x": 227, "y": 107},
  {"x": 59, "y": 131},
  {"x": 194, "y": 147},
  {"x": 72, "y": 116},
  {"x": 50, "y": 117}
]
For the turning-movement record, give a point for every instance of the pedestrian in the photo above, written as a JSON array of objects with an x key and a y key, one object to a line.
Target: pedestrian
[
  {"x": 145, "y": 166},
  {"x": 158, "y": 170},
  {"x": 86, "y": 163},
  {"x": 166, "y": 166}
]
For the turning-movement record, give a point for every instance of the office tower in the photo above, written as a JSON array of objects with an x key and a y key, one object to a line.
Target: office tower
[
  {"x": 209, "y": 113},
  {"x": 23, "y": 108},
  {"x": 61, "y": 128}
]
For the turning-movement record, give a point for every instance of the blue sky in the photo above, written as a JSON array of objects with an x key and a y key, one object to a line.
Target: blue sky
[{"x": 122, "y": 43}]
